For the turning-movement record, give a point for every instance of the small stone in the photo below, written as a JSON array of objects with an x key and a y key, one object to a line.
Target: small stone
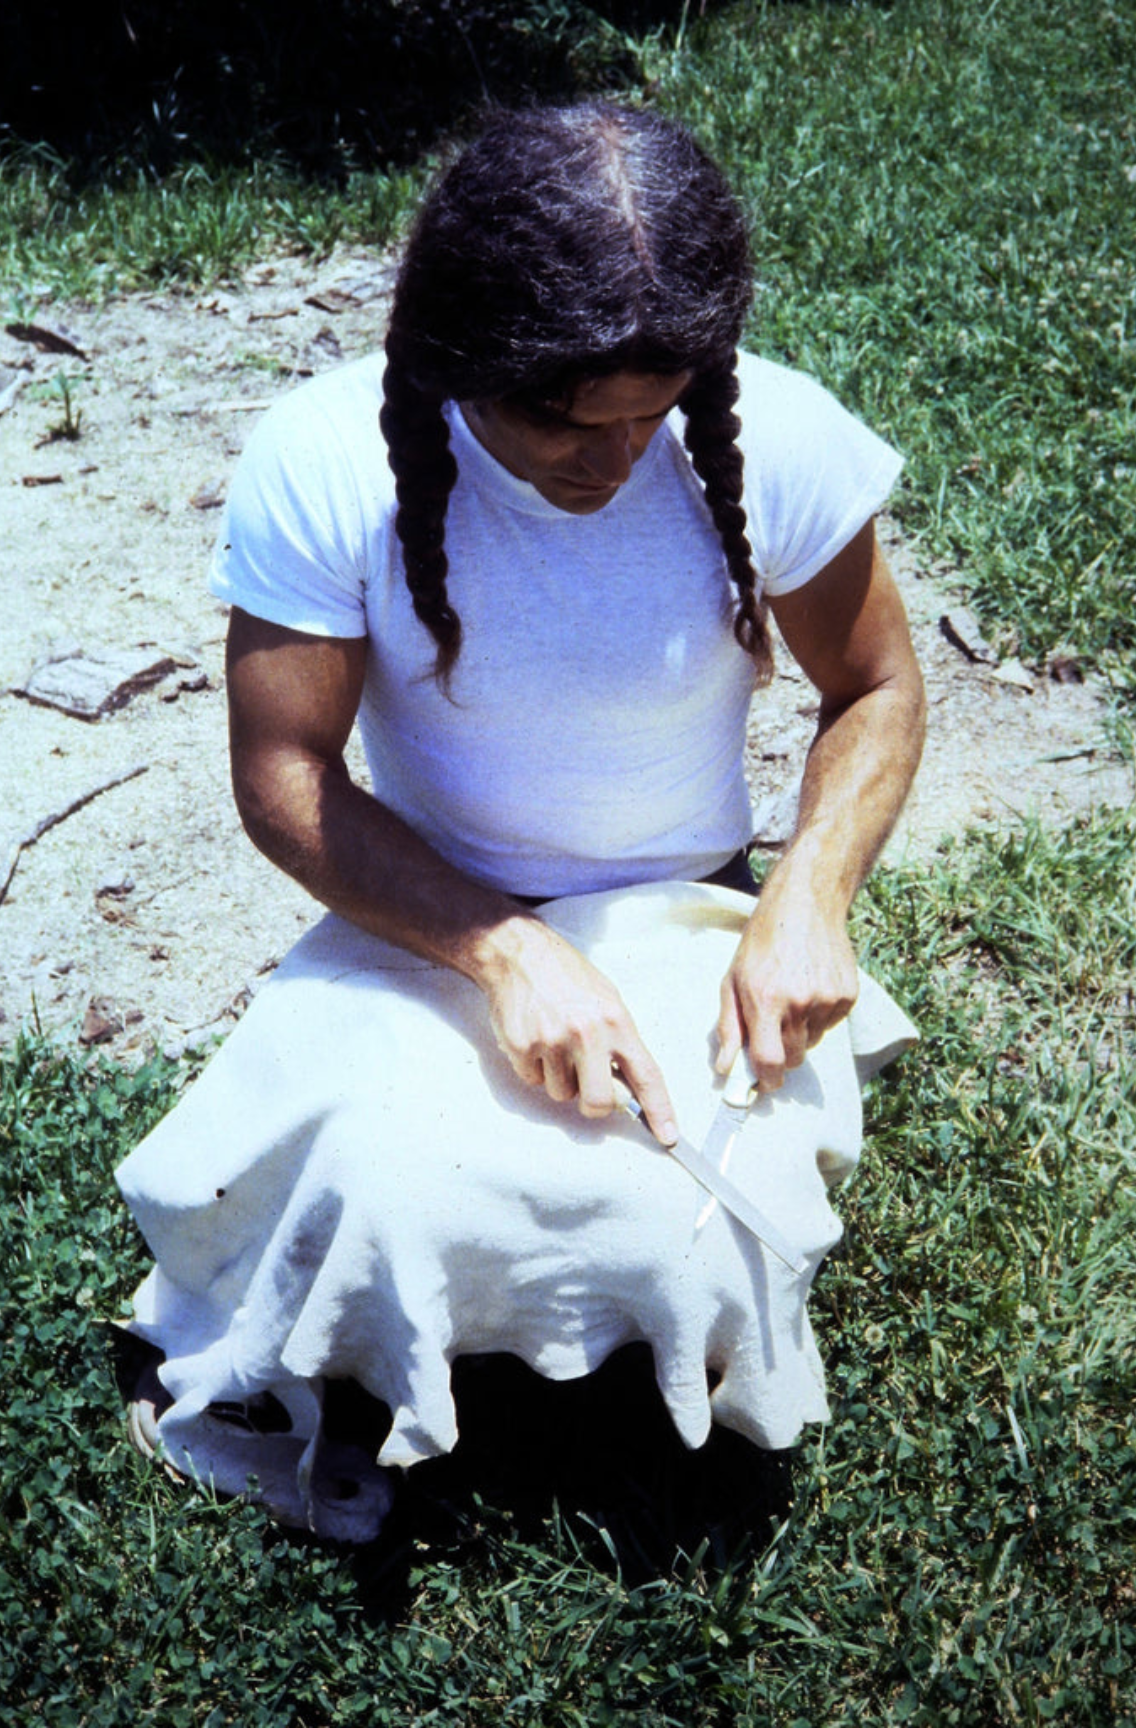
[
  {"x": 1012, "y": 672},
  {"x": 94, "y": 682},
  {"x": 112, "y": 911},
  {"x": 328, "y": 341},
  {"x": 333, "y": 300},
  {"x": 101, "y": 1022},
  {"x": 117, "y": 883}
]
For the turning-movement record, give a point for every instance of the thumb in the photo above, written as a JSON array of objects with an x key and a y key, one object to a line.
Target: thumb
[{"x": 730, "y": 1029}]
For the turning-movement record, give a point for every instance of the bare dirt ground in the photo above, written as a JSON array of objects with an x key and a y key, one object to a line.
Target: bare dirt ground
[{"x": 143, "y": 918}]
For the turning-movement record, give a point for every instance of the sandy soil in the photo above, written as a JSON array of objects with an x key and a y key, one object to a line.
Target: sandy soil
[{"x": 145, "y": 916}]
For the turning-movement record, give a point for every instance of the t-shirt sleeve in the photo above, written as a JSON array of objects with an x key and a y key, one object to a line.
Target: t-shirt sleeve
[
  {"x": 814, "y": 474},
  {"x": 293, "y": 544}
]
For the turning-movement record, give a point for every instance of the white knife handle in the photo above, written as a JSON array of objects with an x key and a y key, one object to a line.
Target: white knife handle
[
  {"x": 740, "y": 1089},
  {"x": 625, "y": 1098}
]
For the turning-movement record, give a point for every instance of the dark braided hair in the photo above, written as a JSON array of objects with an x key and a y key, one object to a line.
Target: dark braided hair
[{"x": 567, "y": 244}]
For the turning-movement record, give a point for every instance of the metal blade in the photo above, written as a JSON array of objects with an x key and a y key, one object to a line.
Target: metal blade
[
  {"x": 722, "y": 1131},
  {"x": 739, "y": 1205},
  {"x": 728, "y": 1119}
]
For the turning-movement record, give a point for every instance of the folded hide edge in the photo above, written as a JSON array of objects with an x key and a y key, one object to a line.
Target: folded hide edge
[{"x": 358, "y": 1186}]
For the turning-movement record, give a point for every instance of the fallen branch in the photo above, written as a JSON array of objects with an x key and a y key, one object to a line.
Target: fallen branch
[{"x": 46, "y": 822}]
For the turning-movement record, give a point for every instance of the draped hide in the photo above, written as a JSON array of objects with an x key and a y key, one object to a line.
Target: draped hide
[{"x": 358, "y": 1186}]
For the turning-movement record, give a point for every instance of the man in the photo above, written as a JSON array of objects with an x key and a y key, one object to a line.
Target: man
[
  {"x": 576, "y": 278},
  {"x": 542, "y": 592}
]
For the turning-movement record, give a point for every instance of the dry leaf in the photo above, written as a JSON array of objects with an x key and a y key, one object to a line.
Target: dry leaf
[
  {"x": 333, "y": 300},
  {"x": 1065, "y": 669},
  {"x": 47, "y": 341}
]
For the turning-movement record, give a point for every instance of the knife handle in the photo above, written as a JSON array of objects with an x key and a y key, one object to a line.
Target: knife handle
[
  {"x": 625, "y": 1098},
  {"x": 740, "y": 1088}
]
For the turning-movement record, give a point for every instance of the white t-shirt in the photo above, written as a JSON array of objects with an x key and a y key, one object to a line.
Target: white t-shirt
[{"x": 596, "y": 728}]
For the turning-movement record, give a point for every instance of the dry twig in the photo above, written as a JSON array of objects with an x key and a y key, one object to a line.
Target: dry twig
[{"x": 46, "y": 822}]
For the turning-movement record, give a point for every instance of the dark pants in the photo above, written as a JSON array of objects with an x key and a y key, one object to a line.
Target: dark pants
[{"x": 734, "y": 873}]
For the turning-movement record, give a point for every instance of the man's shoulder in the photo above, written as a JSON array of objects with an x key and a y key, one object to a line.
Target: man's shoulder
[
  {"x": 340, "y": 407},
  {"x": 814, "y": 472},
  {"x": 354, "y": 388},
  {"x": 309, "y": 506},
  {"x": 788, "y": 416},
  {"x": 771, "y": 392}
]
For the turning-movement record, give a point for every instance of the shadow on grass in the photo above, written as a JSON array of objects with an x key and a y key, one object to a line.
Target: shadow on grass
[
  {"x": 598, "y": 1453},
  {"x": 601, "y": 1450}
]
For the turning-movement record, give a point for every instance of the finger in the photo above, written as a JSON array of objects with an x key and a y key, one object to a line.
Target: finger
[
  {"x": 803, "y": 1029},
  {"x": 823, "y": 1020},
  {"x": 769, "y": 1076},
  {"x": 765, "y": 1044},
  {"x": 559, "y": 1076},
  {"x": 596, "y": 1085},
  {"x": 730, "y": 1029},
  {"x": 525, "y": 1066},
  {"x": 644, "y": 1076},
  {"x": 798, "y": 1033},
  {"x": 795, "y": 1039}
]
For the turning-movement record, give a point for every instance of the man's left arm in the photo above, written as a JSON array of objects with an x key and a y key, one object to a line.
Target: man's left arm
[{"x": 794, "y": 973}]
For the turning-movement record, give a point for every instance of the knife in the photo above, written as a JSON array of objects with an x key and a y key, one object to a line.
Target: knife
[{"x": 705, "y": 1164}]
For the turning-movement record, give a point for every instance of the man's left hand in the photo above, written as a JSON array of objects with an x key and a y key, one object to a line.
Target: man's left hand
[{"x": 793, "y": 977}]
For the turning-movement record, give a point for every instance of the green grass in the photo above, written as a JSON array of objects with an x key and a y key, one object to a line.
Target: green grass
[
  {"x": 944, "y": 211},
  {"x": 198, "y": 225},
  {"x": 962, "y": 1544},
  {"x": 945, "y": 225},
  {"x": 944, "y": 214}
]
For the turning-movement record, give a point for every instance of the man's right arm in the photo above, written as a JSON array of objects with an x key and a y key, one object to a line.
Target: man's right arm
[{"x": 292, "y": 702}]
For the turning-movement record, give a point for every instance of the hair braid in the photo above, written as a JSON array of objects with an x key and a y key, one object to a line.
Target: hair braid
[
  {"x": 564, "y": 244},
  {"x": 711, "y": 432},
  {"x": 418, "y": 449}
]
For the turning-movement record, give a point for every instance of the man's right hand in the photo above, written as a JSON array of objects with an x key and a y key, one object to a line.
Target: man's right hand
[
  {"x": 560, "y": 1022},
  {"x": 564, "y": 1026}
]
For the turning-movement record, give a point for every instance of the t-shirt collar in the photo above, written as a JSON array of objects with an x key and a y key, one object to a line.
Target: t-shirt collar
[{"x": 481, "y": 470}]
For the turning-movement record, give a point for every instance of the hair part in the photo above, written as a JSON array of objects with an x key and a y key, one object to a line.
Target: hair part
[{"x": 566, "y": 244}]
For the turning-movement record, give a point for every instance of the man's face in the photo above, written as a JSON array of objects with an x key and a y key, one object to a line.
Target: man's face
[{"x": 579, "y": 453}]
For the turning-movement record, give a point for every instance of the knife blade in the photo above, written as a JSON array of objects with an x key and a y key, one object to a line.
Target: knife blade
[{"x": 727, "y": 1121}]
